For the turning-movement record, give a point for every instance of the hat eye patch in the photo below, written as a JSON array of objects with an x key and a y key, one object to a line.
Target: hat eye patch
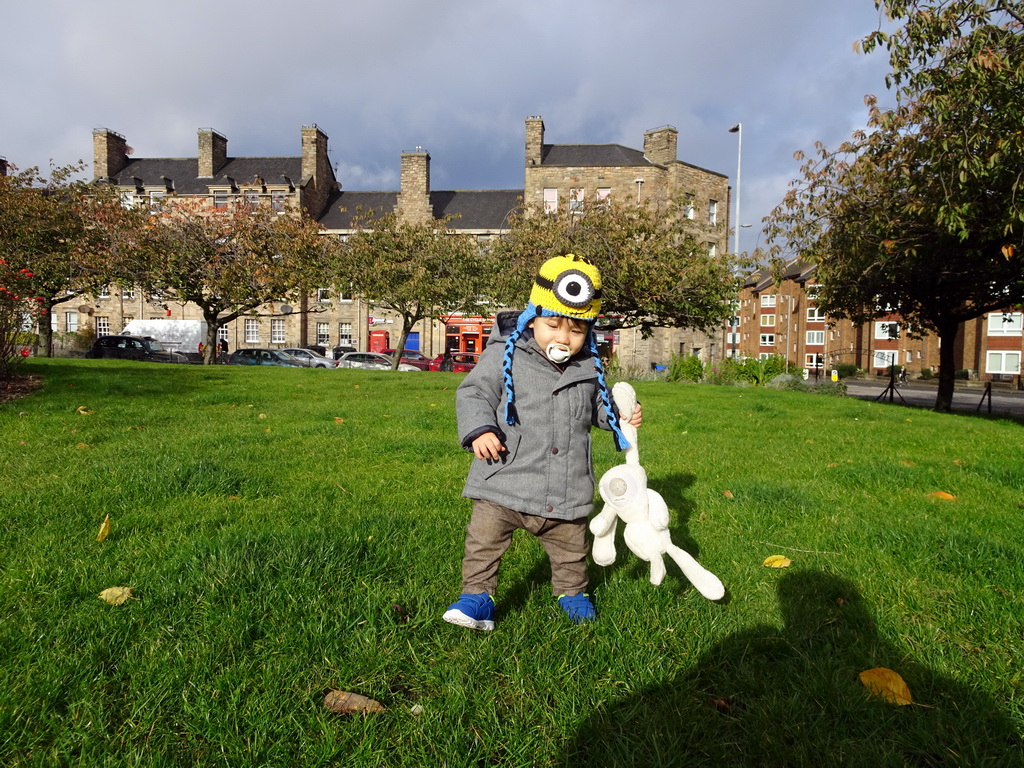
[{"x": 573, "y": 288}]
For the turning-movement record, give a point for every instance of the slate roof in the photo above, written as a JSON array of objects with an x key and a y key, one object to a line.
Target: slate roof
[
  {"x": 476, "y": 209},
  {"x": 183, "y": 172},
  {"x": 592, "y": 155}
]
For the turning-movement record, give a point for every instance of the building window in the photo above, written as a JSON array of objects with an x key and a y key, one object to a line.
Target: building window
[
  {"x": 688, "y": 207},
  {"x": 102, "y": 326},
  {"x": 1005, "y": 323},
  {"x": 220, "y": 200},
  {"x": 1002, "y": 362},
  {"x": 815, "y": 337},
  {"x": 887, "y": 330},
  {"x": 251, "y": 198},
  {"x": 222, "y": 333},
  {"x": 712, "y": 250},
  {"x": 576, "y": 200},
  {"x": 814, "y": 361},
  {"x": 345, "y": 297},
  {"x": 763, "y": 355},
  {"x": 345, "y": 334},
  {"x": 768, "y": 299},
  {"x": 277, "y": 201},
  {"x": 104, "y": 292},
  {"x": 767, "y": 321},
  {"x": 252, "y": 330},
  {"x": 550, "y": 200},
  {"x": 156, "y": 201},
  {"x": 603, "y": 194},
  {"x": 732, "y": 339},
  {"x": 323, "y": 295},
  {"x": 815, "y": 315},
  {"x": 129, "y": 293},
  {"x": 323, "y": 334},
  {"x": 767, "y": 339},
  {"x": 812, "y": 291},
  {"x": 277, "y": 331},
  {"x": 712, "y": 211},
  {"x": 71, "y": 322}
]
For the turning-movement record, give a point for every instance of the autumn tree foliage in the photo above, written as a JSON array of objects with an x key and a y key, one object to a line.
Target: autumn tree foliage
[
  {"x": 655, "y": 269},
  {"x": 227, "y": 261},
  {"x": 18, "y": 308},
  {"x": 418, "y": 270},
  {"x": 921, "y": 213},
  {"x": 47, "y": 227}
]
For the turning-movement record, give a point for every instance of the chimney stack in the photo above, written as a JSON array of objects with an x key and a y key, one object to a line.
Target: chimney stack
[
  {"x": 534, "y": 141},
  {"x": 660, "y": 145},
  {"x": 414, "y": 198},
  {"x": 109, "y": 153},
  {"x": 213, "y": 152}
]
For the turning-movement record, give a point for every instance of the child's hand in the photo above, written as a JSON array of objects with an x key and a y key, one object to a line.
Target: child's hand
[
  {"x": 637, "y": 418},
  {"x": 488, "y": 446}
]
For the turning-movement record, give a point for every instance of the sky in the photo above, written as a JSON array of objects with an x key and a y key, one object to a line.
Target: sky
[{"x": 455, "y": 77}]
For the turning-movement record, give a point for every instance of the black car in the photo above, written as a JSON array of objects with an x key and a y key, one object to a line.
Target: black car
[{"x": 133, "y": 348}]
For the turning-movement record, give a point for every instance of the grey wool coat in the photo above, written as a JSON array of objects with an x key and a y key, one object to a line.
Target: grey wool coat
[{"x": 548, "y": 470}]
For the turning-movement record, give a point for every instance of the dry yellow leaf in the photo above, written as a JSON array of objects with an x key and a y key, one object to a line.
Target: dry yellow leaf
[
  {"x": 117, "y": 595},
  {"x": 83, "y": 410},
  {"x": 908, "y": 463},
  {"x": 338, "y": 420},
  {"x": 777, "y": 561},
  {"x": 941, "y": 495},
  {"x": 263, "y": 415},
  {"x": 727, "y": 493},
  {"x": 104, "y": 529},
  {"x": 345, "y": 703},
  {"x": 887, "y": 684}
]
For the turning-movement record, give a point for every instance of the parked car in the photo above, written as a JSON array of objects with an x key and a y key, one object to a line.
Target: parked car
[
  {"x": 460, "y": 362},
  {"x": 310, "y": 359},
  {"x": 341, "y": 349},
  {"x": 411, "y": 357},
  {"x": 124, "y": 347},
  {"x": 263, "y": 357},
  {"x": 371, "y": 360}
]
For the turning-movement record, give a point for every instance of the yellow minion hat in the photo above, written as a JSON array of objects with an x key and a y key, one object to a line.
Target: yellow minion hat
[{"x": 568, "y": 286}]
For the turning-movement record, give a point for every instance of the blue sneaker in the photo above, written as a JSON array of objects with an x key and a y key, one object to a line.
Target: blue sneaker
[
  {"x": 473, "y": 611},
  {"x": 578, "y": 607}
]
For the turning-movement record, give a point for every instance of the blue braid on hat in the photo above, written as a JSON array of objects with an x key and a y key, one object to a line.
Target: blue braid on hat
[{"x": 571, "y": 287}]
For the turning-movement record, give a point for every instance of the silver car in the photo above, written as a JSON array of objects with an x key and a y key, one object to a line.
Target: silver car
[
  {"x": 371, "y": 360},
  {"x": 311, "y": 359}
]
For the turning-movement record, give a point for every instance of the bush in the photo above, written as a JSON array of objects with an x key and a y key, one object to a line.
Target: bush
[
  {"x": 685, "y": 368},
  {"x": 16, "y": 305},
  {"x": 963, "y": 373},
  {"x": 846, "y": 370},
  {"x": 926, "y": 374}
]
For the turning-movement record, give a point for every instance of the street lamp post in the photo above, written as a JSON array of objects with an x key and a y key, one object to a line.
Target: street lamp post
[{"x": 738, "y": 130}]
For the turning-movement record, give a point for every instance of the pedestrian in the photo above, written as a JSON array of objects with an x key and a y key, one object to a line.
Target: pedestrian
[
  {"x": 525, "y": 411},
  {"x": 223, "y": 344}
]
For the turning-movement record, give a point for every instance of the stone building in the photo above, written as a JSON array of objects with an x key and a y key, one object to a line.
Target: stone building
[{"x": 553, "y": 172}]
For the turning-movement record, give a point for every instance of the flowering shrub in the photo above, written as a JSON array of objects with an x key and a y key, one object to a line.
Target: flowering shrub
[{"x": 18, "y": 305}]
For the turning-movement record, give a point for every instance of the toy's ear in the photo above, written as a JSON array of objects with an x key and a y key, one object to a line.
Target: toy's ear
[{"x": 625, "y": 399}]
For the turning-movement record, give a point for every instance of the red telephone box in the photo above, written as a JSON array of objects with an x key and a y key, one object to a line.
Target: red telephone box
[{"x": 379, "y": 341}]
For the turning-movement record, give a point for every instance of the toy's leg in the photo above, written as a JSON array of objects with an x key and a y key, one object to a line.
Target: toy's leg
[
  {"x": 603, "y": 550},
  {"x": 657, "y": 570},
  {"x": 704, "y": 580}
]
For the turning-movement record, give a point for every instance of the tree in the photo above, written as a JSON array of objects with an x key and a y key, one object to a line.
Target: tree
[
  {"x": 227, "y": 261},
  {"x": 921, "y": 214},
  {"x": 18, "y": 307},
  {"x": 654, "y": 270},
  {"x": 47, "y": 227},
  {"x": 419, "y": 270}
]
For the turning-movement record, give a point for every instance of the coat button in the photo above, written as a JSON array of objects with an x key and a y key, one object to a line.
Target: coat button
[
  {"x": 549, "y": 508},
  {"x": 554, "y": 450}
]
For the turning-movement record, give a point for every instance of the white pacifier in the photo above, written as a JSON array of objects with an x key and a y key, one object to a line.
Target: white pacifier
[{"x": 558, "y": 353}]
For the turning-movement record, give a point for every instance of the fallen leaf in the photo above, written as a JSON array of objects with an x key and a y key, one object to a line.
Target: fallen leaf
[
  {"x": 722, "y": 705},
  {"x": 263, "y": 415},
  {"x": 886, "y": 684},
  {"x": 833, "y": 464},
  {"x": 104, "y": 529},
  {"x": 400, "y": 613},
  {"x": 345, "y": 703},
  {"x": 776, "y": 561},
  {"x": 117, "y": 595},
  {"x": 81, "y": 445},
  {"x": 83, "y": 410},
  {"x": 727, "y": 493},
  {"x": 1008, "y": 251},
  {"x": 959, "y": 462},
  {"x": 907, "y": 463},
  {"x": 338, "y": 420},
  {"x": 941, "y": 495}
]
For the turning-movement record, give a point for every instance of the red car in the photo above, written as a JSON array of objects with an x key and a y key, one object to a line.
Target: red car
[
  {"x": 459, "y": 362},
  {"x": 411, "y": 357}
]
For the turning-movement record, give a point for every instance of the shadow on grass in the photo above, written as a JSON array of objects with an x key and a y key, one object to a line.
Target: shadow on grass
[{"x": 767, "y": 696}]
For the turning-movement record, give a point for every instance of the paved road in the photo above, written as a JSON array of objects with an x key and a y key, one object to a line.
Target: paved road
[{"x": 1007, "y": 402}]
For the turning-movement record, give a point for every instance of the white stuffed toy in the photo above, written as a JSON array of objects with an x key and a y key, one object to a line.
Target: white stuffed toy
[{"x": 626, "y": 495}]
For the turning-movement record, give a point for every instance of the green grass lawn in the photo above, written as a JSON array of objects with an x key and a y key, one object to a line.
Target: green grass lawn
[{"x": 289, "y": 532}]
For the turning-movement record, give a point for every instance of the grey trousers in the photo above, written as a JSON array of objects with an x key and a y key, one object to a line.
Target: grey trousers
[{"x": 489, "y": 535}]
